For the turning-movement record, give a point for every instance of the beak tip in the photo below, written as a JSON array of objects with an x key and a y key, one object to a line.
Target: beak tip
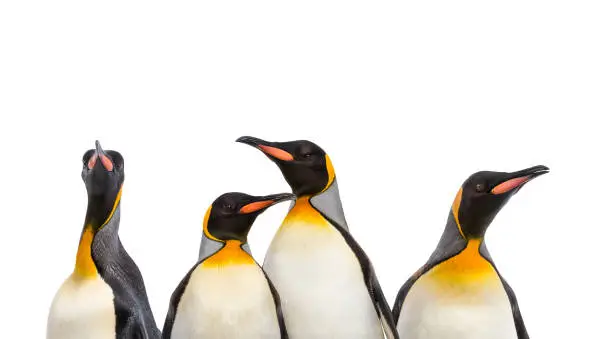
[
  {"x": 541, "y": 169},
  {"x": 251, "y": 141},
  {"x": 98, "y": 147},
  {"x": 245, "y": 139}
]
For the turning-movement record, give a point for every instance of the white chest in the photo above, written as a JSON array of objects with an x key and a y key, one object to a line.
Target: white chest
[
  {"x": 82, "y": 309},
  {"x": 320, "y": 283},
  {"x": 232, "y": 302},
  {"x": 478, "y": 309}
]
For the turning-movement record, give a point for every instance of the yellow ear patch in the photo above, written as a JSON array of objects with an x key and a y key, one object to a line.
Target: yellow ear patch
[
  {"x": 455, "y": 209},
  {"x": 205, "y": 225},
  {"x": 231, "y": 254},
  {"x": 331, "y": 173},
  {"x": 85, "y": 267}
]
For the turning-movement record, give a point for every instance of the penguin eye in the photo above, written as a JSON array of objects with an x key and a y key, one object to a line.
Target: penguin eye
[
  {"x": 228, "y": 207},
  {"x": 307, "y": 155},
  {"x": 479, "y": 188}
]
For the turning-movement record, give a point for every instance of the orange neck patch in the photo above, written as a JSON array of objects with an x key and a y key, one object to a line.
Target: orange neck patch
[
  {"x": 303, "y": 213},
  {"x": 230, "y": 255},
  {"x": 467, "y": 266},
  {"x": 85, "y": 267}
]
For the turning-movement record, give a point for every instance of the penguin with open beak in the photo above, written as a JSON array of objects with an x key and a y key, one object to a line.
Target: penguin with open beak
[
  {"x": 227, "y": 295},
  {"x": 105, "y": 296},
  {"x": 325, "y": 280},
  {"x": 459, "y": 293}
]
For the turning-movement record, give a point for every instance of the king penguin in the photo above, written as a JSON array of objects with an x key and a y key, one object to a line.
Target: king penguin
[
  {"x": 105, "y": 296},
  {"x": 227, "y": 295},
  {"x": 459, "y": 293},
  {"x": 327, "y": 284}
]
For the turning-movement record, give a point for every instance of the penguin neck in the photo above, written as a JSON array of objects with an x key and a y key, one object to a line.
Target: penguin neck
[
  {"x": 231, "y": 253},
  {"x": 101, "y": 209},
  {"x": 209, "y": 247},
  {"x": 102, "y": 212},
  {"x": 455, "y": 237},
  {"x": 327, "y": 203}
]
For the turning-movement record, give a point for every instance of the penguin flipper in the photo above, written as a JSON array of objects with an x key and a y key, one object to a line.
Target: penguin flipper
[
  {"x": 376, "y": 294},
  {"x": 279, "y": 310},
  {"x": 132, "y": 324},
  {"x": 383, "y": 308},
  {"x": 174, "y": 301},
  {"x": 521, "y": 331},
  {"x": 120, "y": 272},
  {"x": 135, "y": 329},
  {"x": 403, "y": 292},
  {"x": 519, "y": 324}
]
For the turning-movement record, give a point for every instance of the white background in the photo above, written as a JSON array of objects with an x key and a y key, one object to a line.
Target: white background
[{"x": 408, "y": 98}]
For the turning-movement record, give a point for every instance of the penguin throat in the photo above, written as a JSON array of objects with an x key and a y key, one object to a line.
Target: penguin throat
[
  {"x": 474, "y": 231},
  {"x": 101, "y": 209},
  {"x": 303, "y": 213},
  {"x": 469, "y": 230},
  {"x": 231, "y": 254},
  {"x": 98, "y": 215},
  {"x": 467, "y": 266}
]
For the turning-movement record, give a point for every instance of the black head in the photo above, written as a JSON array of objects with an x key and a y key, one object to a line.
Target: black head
[
  {"x": 231, "y": 216},
  {"x": 305, "y": 166},
  {"x": 102, "y": 171},
  {"x": 103, "y": 176},
  {"x": 484, "y": 194}
]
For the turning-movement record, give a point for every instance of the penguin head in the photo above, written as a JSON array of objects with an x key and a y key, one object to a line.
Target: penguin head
[
  {"x": 231, "y": 215},
  {"x": 484, "y": 194},
  {"x": 102, "y": 171},
  {"x": 103, "y": 176},
  {"x": 305, "y": 166}
]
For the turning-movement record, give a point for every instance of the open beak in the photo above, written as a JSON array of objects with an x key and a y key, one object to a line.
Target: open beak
[
  {"x": 100, "y": 156},
  {"x": 514, "y": 181},
  {"x": 270, "y": 149},
  {"x": 259, "y": 204}
]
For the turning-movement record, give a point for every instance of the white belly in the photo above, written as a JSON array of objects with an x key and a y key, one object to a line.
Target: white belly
[
  {"x": 321, "y": 285},
  {"x": 82, "y": 309},
  {"x": 230, "y": 303},
  {"x": 478, "y": 311}
]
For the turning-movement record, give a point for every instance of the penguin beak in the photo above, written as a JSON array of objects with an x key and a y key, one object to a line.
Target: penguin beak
[
  {"x": 270, "y": 149},
  {"x": 260, "y": 204},
  {"x": 514, "y": 181},
  {"x": 100, "y": 156}
]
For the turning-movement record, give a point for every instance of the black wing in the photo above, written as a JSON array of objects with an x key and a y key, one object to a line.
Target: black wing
[
  {"x": 403, "y": 292},
  {"x": 519, "y": 324},
  {"x": 451, "y": 243},
  {"x": 521, "y": 331},
  {"x": 174, "y": 301},
  {"x": 369, "y": 277},
  {"x": 118, "y": 270},
  {"x": 279, "y": 310}
]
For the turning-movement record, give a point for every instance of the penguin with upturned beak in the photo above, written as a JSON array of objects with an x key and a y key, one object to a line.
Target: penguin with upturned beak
[
  {"x": 227, "y": 295},
  {"x": 459, "y": 293},
  {"x": 105, "y": 296},
  {"x": 326, "y": 282}
]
